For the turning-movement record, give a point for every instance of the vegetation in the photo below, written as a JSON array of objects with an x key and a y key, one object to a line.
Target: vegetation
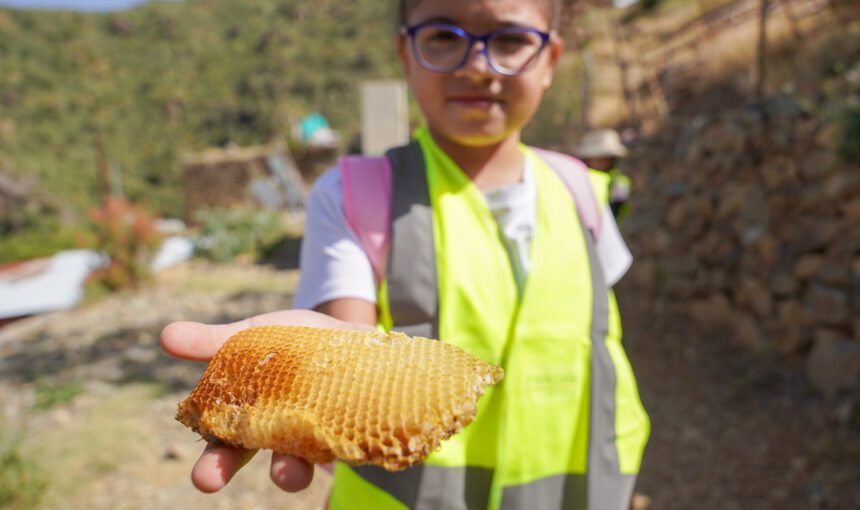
[
  {"x": 50, "y": 394},
  {"x": 227, "y": 234},
  {"x": 849, "y": 148},
  {"x": 126, "y": 233},
  {"x": 21, "y": 481},
  {"x": 38, "y": 237},
  {"x": 153, "y": 83},
  {"x": 134, "y": 91}
]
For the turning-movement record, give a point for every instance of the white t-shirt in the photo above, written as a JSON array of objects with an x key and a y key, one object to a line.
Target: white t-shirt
[{"x": 334, "y": 265}]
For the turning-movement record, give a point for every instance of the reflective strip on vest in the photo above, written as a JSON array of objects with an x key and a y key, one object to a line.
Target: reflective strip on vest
[
  {"x": 593, "y": 483},
  {"x": 411, "y": 280}
]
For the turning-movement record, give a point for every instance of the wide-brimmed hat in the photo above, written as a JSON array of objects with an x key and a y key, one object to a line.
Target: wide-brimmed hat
[{"x": 601, "y": 143}]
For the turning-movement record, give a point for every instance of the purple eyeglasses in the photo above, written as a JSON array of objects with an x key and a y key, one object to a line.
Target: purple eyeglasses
[{"x": 444, "y": 48}]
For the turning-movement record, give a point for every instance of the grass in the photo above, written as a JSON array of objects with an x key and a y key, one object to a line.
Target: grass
[
  {"x": 50, "y": 394},
  {"x": 109, "y": 433},
  {"x": 22, "y": 482}
]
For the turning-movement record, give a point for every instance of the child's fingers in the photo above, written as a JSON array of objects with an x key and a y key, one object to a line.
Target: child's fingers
[
  {"x": 291, "y": 474},
  {"x": 191, "y": 340},
  {"x": 199, "y": 342},
  {"x": 217, "y": 465}
]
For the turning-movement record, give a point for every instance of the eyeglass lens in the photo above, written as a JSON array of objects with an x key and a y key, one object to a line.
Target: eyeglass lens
[{"x": 445, "y": 48}]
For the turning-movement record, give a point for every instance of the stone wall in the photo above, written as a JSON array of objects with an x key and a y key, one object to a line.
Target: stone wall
[
  {"x": 248, "y": 177},
  {"x": 750, "y": 219}
]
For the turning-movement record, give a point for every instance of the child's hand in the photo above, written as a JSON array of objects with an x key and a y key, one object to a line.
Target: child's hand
[{"x": 199, "y": 342}]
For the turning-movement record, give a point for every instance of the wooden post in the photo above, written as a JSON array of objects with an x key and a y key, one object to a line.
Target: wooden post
[
  {"x": 762, "y": 51},
  {"x": 102, "y": 171}
]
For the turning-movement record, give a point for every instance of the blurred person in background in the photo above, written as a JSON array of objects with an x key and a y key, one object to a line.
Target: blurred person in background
[{"x": 601, "y": 150}]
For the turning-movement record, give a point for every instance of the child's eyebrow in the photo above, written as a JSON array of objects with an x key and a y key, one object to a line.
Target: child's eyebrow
[
  {"x": 450, "y": 21},
  {"x": 439, "y": 19}
]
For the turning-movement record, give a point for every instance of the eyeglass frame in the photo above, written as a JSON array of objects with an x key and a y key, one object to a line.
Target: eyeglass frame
[{"x": 411, "y": 30}]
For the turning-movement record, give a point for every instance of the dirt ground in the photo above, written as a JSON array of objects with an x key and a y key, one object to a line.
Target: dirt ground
[
  {"x": 730, "y": 430},
  {"x": 733, "y": 430}
]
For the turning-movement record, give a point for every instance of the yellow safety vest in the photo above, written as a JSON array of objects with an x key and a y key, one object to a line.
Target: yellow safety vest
[{"x": 565, "y": 428}]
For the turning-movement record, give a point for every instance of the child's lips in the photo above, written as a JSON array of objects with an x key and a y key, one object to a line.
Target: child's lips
[{"x": 471, "y": 101}]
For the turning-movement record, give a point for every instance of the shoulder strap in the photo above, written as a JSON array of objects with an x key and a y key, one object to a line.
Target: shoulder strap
[
  {"x": 366, "y": 185},
  {"x": 574, "y": 174},
  {"x": 367, "y": 199}
]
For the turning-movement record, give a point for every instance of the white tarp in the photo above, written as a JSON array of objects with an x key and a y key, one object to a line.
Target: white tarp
[
  {"x": 56, "y": 287},
  {"x": 57, "y": 283},
  {"x": 174, "y": 250}
]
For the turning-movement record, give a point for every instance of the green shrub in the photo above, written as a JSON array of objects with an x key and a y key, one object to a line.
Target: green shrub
[
  {"x": 227, "y": 234},
  {"x": 849, "y": 147},
  {"x": 42, "y": 239}
]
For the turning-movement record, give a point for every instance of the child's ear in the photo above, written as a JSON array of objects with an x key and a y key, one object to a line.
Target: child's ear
[
  {"x": 402, "y": 50},
  {"x": 556, "y": 48}
]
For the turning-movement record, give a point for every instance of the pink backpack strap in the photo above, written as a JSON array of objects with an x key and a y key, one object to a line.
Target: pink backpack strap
[
  {"x": 574, "y": 174},
  {"x": 366, "y": 185}
]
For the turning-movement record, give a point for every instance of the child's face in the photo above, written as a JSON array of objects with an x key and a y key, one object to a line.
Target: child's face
[
  {"x": 605, "y": 163},
  {"x": 474, "y": 105}
]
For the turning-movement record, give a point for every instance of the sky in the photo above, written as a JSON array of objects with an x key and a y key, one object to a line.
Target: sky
[{"x": 74, "y": 5}]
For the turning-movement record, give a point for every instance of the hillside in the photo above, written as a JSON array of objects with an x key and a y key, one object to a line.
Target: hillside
[{"x": 165, "y": 79}]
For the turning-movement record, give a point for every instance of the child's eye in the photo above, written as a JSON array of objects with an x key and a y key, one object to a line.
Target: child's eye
[
  {"x": 443, "y": 36},
  {"x": 513, "y": 40}
]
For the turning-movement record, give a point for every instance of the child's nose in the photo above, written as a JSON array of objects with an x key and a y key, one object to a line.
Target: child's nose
[{"x": 477, "y": 63}]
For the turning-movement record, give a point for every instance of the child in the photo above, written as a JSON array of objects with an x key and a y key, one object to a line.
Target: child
[
  {"x": 600, "y": 150},
  {"x": 487, "y": 251}
]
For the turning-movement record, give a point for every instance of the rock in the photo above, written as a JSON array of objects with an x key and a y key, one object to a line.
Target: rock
[
  {"x": 808, "y": 266},
  {"x": 791, "y": 316},
  {"x": 176, "y": 451},
  {"x": 826, "y": 304},
  {"x": 844, "y": 412},
  {"x": 644, "y": 275},
  {"x": 825, "y": 335},
  {"x": 829, "y": 136},
  {"x": 658, "y": 242},
  {"x": 676, "y": 215},
  {"x": 756, "y": 296},
  {"x": 833, "y": 365},
  {"x": 768, "y": 249},
  {"x": 748, "y": 333},
  {"x": 717, "y": 309},
  {"x": 839, "y": 185},
  {"x": 851, "y": 211},
  {"x": 783, "y": 285},
  {"x": 640, "y": 502},
  {"x": 814, "y": 234}
]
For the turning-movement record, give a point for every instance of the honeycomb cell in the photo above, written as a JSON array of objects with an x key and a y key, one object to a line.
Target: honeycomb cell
[{"x": 357, "y": 396}]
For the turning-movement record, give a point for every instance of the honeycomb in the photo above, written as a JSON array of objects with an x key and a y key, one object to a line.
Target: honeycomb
[{"x": 322, "y": 394}]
